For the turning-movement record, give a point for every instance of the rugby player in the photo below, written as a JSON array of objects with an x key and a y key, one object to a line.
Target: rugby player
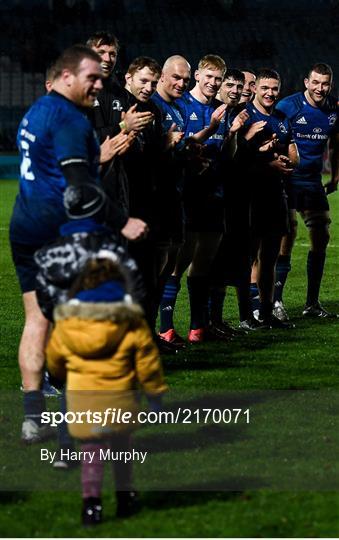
[
  {"x": 57, "y": 146},
  {"x": 315, "y": 122},
  {"x": 247, "y": 93},
  {"x": 144, "y": 172},
  {"x": 174, "y": 81},
  {"x": 232, "y": 263},
  {"x": 269, "y": 216},
  {"x": 110, "y": 114},
  {"x": 203, "y": 197}
]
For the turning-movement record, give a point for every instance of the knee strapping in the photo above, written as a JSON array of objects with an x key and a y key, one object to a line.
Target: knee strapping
[{"x": 317, "y": 221}]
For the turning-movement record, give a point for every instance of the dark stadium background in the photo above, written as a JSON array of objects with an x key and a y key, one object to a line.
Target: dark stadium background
[{"x": 288, "y": 35}]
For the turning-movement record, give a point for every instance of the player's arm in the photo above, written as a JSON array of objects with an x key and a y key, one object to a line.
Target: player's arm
[
  {"x": 332, "y": 185},
  {"x": 116, "y": 146},
  {"x": 85, "y": 198},
  {"x": 293, "y": 154},
  {"x": 208, "y": 131},
  {"x": 131, "y": 120},
  {"x": 230, "y": 144}
]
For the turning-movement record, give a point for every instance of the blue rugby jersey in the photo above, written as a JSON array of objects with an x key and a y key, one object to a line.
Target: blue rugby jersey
[
  {"x": 171, "y": 113},
  {"x": 277, "y": 122},
  {"x": 53, "y": 132},
  {"x": 312, "y": 127},
  {"x": 198, "y": 117}
]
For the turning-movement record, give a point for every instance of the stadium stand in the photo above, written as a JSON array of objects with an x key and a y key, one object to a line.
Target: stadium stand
[{"x": 237, "y": 30}]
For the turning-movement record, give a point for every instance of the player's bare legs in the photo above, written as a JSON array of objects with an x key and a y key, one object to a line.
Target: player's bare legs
[
  {"x": 317, "y": 223},
  {"x": 283, "y": 266},
  {"x": 31, "y": 362},
  {"x": 267, "y": 254},
  {"x": 32, "y": 344}
]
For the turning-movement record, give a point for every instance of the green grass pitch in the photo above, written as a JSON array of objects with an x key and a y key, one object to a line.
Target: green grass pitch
[{"x": 302, "y": 359}]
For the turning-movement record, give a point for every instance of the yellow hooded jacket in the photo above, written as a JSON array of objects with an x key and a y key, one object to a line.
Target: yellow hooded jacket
[{"x": 108, "y": 353}]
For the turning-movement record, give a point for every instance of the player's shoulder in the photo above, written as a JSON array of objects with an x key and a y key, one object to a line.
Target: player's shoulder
[
  {"x": 215, "y": 103},
  {"x": 51, "y": 110},
  {"x": 331, "y": 104},
  {"x": 290, "y": 105},
  {"x": 184, "y": 103},
  {"x": 279, "y": 115},
  {"x": 156, "y": 98},
  {"x": 250, "y": 109},
  {"x": 185, "y": 99}
]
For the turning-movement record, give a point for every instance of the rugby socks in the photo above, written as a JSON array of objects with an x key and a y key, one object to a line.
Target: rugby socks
[
  {"x": 282, "y": 269},
  {"x": 254, "y": 296},
  {"x": 216, "y": 304},
  {"x": 198, "y": 290},
  {"x": 34, "y": 405},
  {"x": 92, "y": 473},
  {"x": 244, "y": 301},
  {"x": 167, "y": 303},
  {"x": 265, "y": 311},
  {"x": 315, "y": 269}
]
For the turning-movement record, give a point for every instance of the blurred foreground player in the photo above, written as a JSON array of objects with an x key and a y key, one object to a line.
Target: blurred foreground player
[{"x": 58, "y": 147}]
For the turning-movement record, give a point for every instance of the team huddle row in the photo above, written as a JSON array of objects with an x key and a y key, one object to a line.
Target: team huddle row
[{"x": 124, "y": 187}]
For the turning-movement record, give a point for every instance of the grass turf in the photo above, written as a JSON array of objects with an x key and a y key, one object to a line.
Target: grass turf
[{"x": 304, "y": 358}]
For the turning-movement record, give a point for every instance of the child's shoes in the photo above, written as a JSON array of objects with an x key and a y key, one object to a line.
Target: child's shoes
[{"x": 91, "y": 511}]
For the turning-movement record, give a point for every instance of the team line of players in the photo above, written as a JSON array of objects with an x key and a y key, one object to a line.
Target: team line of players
[{"x": 208, "y": 180}]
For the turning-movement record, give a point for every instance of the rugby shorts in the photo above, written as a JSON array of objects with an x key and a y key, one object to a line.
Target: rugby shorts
[
  {"x": 306, "y": 196},
  {"x": 25, "y": 266}
]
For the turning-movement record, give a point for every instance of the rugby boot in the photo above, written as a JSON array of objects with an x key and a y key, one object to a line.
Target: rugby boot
[
  {"x": 316, "y": 310},
  {"x": 91, "y": 512},
  {"x": 279, "y": 311},
  {"x": 172, "y": 337},
  {"x": 196, "y": 335}
]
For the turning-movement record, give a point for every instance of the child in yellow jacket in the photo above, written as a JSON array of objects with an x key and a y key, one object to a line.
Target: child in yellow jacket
[{"x": 103, "y": 348}]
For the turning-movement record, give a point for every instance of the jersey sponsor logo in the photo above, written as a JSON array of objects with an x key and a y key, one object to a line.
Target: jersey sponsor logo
[
  {"x": 317, "y": 130},
  {"x": 116, "y": 105},
  {"x": 332, "y": 119},
  {"x": 302, "y": 120},
  {"x": 193, "y": 116},
  {"x": 168, "y": 116},
  {"x": 313, "y": 136}
]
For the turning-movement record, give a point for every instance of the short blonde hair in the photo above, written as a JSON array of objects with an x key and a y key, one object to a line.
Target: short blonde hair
[{"x": 212, "y": 61}]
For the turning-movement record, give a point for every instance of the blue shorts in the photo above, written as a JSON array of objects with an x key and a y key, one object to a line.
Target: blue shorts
[
  {"x": 25, "y": 266},
  {"x": 306, "y": 196}
]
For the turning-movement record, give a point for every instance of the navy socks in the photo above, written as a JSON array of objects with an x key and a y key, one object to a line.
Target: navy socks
[{"x": 315, "y": 269}]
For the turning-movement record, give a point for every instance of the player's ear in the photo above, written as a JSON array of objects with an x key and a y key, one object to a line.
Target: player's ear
[
  {"x": 197, "y": 75},
  {"x": 128, "y": 78},
  {"x": 67, "y": 76},
  {"x": 306, "y": 81}
]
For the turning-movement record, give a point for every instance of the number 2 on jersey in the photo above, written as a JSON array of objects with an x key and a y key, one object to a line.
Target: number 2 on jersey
[{"x": 25, "y": 167}]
